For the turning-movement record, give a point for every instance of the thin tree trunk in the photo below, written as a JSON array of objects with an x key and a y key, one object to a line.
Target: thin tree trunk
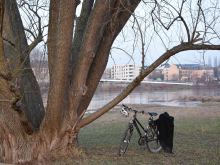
[
  {"x": 81, "y": 24},
  {"x": 91, "y": 40},
  {"x": 120, "y": 15}
]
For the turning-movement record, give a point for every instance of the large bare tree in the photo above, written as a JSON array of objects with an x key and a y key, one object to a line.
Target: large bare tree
[{"x": 77, "y": 55}]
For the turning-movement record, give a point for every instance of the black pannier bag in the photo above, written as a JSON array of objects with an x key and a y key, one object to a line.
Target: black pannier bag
[{"x": 165, "y": 125}]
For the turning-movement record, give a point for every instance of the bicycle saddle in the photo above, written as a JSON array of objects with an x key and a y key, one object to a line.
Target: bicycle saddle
[{"x": 152, "y": 113}]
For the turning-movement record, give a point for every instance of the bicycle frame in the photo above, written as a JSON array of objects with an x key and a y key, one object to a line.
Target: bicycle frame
[
  {"x": 138, "y": 125},
  {"x": 147, "y": 135}
]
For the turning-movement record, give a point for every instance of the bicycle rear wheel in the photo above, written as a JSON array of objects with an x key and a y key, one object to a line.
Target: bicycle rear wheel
[
  {"x": 153, "y": 143},
  {"x": 125, "y": 140}
]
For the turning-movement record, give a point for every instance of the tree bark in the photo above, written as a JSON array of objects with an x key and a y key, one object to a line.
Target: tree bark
[
  {"x": 59, "y": 48},
  {"x": 10, "y": 125},
  {"x": 17, "y": 53},
  {"x": 81, "y": 24},
  {"x": 91, "y": 40},
  {"x": 120, "y": 15}
]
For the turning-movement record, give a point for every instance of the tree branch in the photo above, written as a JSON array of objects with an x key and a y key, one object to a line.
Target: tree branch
[
  {"x": 138, "y": 79},
  {"x": 35, "y": 43},
  {"x": 197, "y": 20},
  {"x": 91, "y": 41},
  {"x": 39, "y": 37},
  {"x": 100, "y": 61},
  {"x": 81, "y": 23}
]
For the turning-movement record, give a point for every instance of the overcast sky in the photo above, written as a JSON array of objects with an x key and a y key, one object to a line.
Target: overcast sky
[
  {"x": 154, "y": 46},
  {"x": 127, "y": 47}
]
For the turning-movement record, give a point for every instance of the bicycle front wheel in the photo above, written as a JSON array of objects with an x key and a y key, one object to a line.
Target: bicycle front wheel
[
  {"x": 153, "y": 143},
  {"x": 125, "y": 140}
]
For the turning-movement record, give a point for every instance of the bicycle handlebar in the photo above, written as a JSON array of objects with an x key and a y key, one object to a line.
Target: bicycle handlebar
[{"x": 126, "y": 108}]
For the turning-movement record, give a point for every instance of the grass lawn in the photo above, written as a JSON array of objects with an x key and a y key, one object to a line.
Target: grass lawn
[{"x": 196, "y": 139}]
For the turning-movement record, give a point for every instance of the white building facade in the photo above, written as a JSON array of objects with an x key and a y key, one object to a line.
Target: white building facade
[{"x": 124, "y": 72}]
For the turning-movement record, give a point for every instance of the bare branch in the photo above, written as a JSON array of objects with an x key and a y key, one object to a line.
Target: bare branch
[
  {"x": 142, "y": 42},
  {"x": 31, "y": 10},
  {"x": 35, "y": 43},
  {"x": 137, "y": 80},
  {"x": 130, "y": 55},
  {"x": 197, "y": 20}
]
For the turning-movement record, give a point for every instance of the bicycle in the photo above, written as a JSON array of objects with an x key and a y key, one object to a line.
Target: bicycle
[{"x": 149, "y": 137}]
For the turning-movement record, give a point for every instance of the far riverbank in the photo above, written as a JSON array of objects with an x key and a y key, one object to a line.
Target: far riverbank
[
  {"x": 161, "y": 94},
  {"x": 115, "y": 86}
]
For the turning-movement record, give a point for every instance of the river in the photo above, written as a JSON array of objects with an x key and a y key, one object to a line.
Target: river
[{"x": 168, "y": 97}]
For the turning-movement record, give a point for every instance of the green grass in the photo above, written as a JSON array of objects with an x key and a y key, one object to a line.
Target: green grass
[{"x": 196, "y": 141}]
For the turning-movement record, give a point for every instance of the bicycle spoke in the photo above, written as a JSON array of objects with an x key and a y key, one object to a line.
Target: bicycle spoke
[{"x": 125, "y": 140}]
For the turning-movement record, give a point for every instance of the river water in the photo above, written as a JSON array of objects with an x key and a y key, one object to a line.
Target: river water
[{"x": 162, "y": 97}]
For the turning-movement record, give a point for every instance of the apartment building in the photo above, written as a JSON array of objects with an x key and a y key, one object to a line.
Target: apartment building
[
  {"x": 124, "y": 72},
  {"x": 188, "y": 72}
]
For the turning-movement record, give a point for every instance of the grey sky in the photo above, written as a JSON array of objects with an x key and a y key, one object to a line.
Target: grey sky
[
  {"x": 170, "y": 38},
  {"x": 130, "y": 42}
]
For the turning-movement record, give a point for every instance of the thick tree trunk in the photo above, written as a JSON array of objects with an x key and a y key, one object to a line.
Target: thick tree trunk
[
  {"x": 61, "y": 21},
  {"x": 12, "y": 135},
  {"x": 18, "y": 147},
  {"x": 17, "y": 52},
  {"x": 11, "y": 130}
]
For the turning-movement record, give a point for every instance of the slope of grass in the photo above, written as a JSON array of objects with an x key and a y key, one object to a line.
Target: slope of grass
[{"x": 196, "y": 140}]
